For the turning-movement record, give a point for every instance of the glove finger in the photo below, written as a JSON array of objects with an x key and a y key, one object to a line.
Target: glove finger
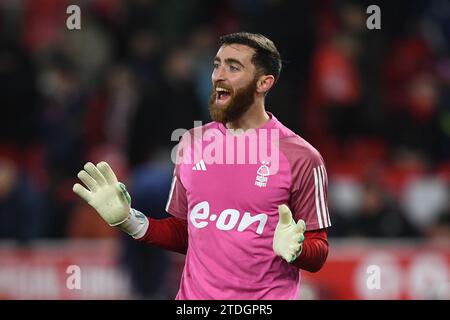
[
  {"x": 82, "y": 192},
  {"x": 285, "y": 214},
  {"x": 298, "y": 237},
  {"x": 87, "y": 180},
  {"x": 123, "y": 193},
  {"x": 297, "y": 252},
  {"x": 301, "y": 239},
  {"x": 94, "y": 173},
  {"x": 300, "y": 226},
  {"x": 107, "y": 172},
  {"x": 294, "y": 253},
  {"x": 293, "y": 257}
]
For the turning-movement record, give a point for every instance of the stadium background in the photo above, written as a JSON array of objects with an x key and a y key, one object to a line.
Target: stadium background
[{"x": 376, "y": 103}]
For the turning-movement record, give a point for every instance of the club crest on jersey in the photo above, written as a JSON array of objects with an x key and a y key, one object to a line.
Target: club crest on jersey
[{"x": 262, "y": 175}]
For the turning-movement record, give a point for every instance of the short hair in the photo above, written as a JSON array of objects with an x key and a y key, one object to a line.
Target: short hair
[{"x": 266, "y": 59}]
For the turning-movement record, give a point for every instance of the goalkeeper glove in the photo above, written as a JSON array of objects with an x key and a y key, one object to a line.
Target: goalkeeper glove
[
  {"x": 110, "y": 199},
  {"x": 288, "y": 238}
]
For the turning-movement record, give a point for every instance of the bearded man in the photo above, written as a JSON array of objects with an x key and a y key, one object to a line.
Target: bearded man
[{"x": 247, "y": 228}]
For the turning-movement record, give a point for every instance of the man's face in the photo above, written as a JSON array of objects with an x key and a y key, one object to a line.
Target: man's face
[{"x": 234, "y": 83}]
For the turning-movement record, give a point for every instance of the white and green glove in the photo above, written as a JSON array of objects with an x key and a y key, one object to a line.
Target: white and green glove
[
  {"x": 288, "y": 238},
  {"x": 110, "y": 199}
]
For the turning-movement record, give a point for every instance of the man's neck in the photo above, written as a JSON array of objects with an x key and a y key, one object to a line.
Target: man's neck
[{"x": 255, "y": 117}]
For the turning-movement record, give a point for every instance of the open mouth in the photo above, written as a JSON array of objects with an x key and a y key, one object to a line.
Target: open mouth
[{"x": 222, "y": 95}]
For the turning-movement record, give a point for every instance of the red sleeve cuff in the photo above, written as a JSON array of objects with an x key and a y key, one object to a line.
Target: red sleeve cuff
[
  {"x": 170, "y": 234},
  {"x": 314, "y": 252}
]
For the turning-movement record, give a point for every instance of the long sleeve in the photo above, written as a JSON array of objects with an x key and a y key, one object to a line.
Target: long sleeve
[
  {"x": 170, "y": 233},
  {"x": 314, "y": 252}
]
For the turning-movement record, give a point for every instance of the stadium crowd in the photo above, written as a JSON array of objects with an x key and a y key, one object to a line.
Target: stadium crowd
[{"x": 375, "y": 103}]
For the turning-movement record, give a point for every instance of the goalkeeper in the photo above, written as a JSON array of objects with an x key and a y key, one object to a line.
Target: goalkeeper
[{"x": 247, "y": 229}]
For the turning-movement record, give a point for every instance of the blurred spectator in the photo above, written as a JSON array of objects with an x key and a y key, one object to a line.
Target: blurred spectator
[
  {"x": 144, "y": 58},
  {"x": 443, "y": 71},
  {"x": 22, "y": 209},
  {"x": 62, "y": 129},
  {"x": 88, "y": 50},
  {"x": 63, "y": 111},
  {"x": 379, "y": 216},
  {"x": 336, "y": 94},
  {"x": 111, "y": 109},
  {"x": 41, "y": 22},
  {"x": 201, "y": 48},
  {"x": 18, "y": 98},
  {"x": 345, "y": 197},
  {"x": 424, "y": 199},
  {"x": 412, "y": 96},
  {"x": 171, "y": 105}
]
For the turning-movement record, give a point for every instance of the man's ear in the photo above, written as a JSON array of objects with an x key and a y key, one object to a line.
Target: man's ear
[{"x": 264, "y": 83}]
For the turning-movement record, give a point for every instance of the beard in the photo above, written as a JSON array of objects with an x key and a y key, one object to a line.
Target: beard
[{"x": 238, "y": 103}]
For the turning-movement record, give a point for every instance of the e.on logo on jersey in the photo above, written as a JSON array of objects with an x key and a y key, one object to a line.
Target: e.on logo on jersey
[{"x": 227, "y": 219}]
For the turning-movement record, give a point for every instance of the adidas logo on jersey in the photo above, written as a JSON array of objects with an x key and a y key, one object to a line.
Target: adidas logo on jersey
[{"x": 199, "y": 166}]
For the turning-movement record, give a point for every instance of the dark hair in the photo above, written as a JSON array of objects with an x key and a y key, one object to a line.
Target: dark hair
[{"x": 266, "y": 59}]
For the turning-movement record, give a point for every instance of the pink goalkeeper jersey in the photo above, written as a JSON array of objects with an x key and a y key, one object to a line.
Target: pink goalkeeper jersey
[{"x": 229, "y": 193}]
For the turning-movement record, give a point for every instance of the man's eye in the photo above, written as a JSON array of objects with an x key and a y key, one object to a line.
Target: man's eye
[
  {"x": 215, "y": 65},
  {"x": 234, "y": 68}
]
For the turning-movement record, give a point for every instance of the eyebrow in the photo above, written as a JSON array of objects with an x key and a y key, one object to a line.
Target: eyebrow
[{"x": 229, "y": 61}]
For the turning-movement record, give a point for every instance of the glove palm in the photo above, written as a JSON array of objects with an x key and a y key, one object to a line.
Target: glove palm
[
  {"x": 105, "y": 194},
  {"x": 288, "y": 237}
]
